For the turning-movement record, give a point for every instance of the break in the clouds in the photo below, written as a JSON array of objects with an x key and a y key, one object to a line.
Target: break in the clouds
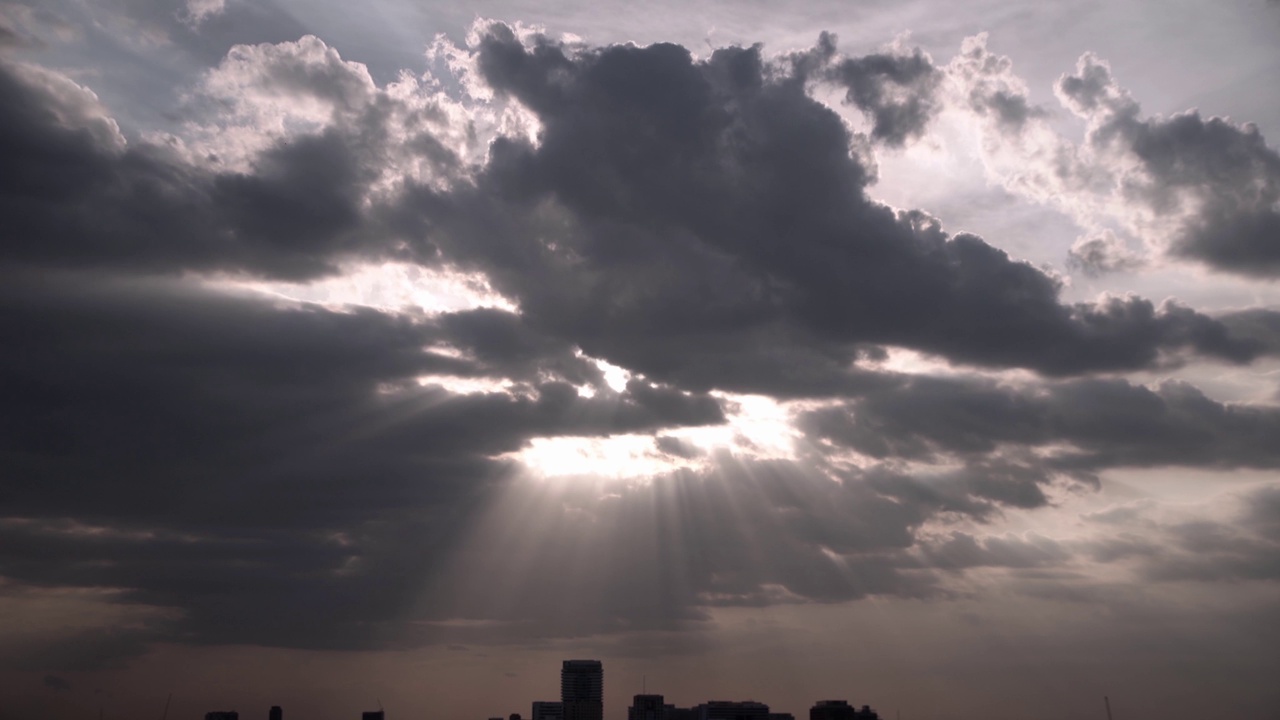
[{"x": 689, "y": 365}]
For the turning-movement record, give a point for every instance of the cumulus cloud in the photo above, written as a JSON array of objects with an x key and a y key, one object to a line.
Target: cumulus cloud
[
  {"x": 897, "y": 89},
  {"x": 1103, "y": 253},
  {"x": 1206, "y": 189},
  {"x": 729, "y": 206}
]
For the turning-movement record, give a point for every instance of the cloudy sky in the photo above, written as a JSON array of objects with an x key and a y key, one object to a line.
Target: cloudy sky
[{"x": 918, "y": 353}]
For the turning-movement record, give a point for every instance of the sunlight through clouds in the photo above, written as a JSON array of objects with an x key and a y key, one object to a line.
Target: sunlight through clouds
[
  {"x": 393, "y": 286},
  {"x": 756, "y": 427},
  {"x": 394, "y": 351}
]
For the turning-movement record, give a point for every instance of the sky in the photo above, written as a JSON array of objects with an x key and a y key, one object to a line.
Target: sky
[{"x": 921, "y": 354}]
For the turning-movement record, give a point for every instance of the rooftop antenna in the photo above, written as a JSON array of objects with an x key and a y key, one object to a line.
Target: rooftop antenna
[
  {"x": 1107, "y": 701},
  {"x": 166, "y": 707}
]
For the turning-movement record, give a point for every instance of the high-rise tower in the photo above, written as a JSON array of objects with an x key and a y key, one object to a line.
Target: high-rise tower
[{"x": 582, "y": 689}]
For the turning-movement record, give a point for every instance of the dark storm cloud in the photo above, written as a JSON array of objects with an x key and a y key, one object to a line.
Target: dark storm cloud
[
  {"x": 233, "y": 461},
  {"x": 724, "y": 207},
  {"x": 73, "y": 193},
  {"x": 257, "y": 466},
  {"x": 670, "y": 199},
  {"x": 1221, "y": 176},
  {"x": 979, "y": 489},
  {"x": 248, "y": 403},
  {"x": 497, "y": 344},
  {"x": 274, "y": 473},
  {"x": 1090, "y": 424},
  {"x": 897, "y": 91},
  {"x": 1261, "y": 326}
]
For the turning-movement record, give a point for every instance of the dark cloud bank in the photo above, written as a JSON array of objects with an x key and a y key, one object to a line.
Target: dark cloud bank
[{"x": 258, "y": 465}]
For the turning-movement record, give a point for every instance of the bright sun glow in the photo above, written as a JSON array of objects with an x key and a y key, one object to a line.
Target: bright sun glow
[
  {"x": 618, "y": 457},
  {"x": 757, "y": 427},
  {"x": 395, "y": 286}
]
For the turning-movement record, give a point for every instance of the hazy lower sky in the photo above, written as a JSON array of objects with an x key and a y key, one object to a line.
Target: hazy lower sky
[{"x": 920, "y": 354}]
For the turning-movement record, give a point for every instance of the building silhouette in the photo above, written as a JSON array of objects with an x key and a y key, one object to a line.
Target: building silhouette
[
  {"x": 676, "y": 713},
  {"x": 373, "y": 715},
  {"x": 582, "y": 689},
  {"x": 647, "y": 707},
  {"x": 222, "y": 715},
  {"x": 547, "y": 710},
  {"x": 840, "y": 710},
  {"x": 276, "y": 713},
  {"x": 728, "y": 710}
]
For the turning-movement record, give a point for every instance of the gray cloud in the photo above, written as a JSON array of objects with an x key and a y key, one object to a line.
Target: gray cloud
[
  {"x": 1103, "y": 253},
  {"x": 257, "y": 466},
  {"x": 1222, "y": 176},
  {"x": 896, "y": 91},
  {"x": 786, "y": 277},
  {"x": 77, "y": 194},
  {"x": 727, "y": 206},
  {"x": 962, "y": 550},
  {"x": 1090, "y": 424},
  {"x": 224, "y": 387},
  {"x": 1243, "y": 546},
  {"x": 269, "y": 472}
]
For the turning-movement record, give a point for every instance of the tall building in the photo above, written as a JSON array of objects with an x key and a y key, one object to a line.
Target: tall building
[
  {"x": 647, "y": 707},
  {"x": 582, "y": 689},
  {"x": 222, "y": 715},
  {"x": 276, "y": 713},
  {"x": 546, "y": 710},
  {"x": 840, "y": 710},
  {"x": 373, "y": 715}
]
